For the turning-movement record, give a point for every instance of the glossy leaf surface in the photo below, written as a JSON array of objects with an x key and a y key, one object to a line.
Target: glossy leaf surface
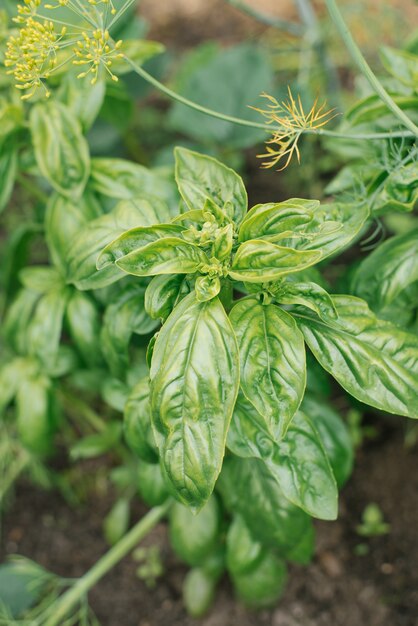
[
  {"x": 194, "y": 384},
  {"x": 272, "y": 361}
]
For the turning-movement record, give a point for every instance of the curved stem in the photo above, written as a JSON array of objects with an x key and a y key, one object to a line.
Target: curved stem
[
  {"x": 291, "y": 27},
  {"x": 241, "y": 122},
  {"x": 364, "y": 67},
  {"x": 66, "y": 603}
]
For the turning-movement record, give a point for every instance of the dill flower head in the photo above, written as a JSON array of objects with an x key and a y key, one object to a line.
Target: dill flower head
[
  {"x": 291, "y": 121},
  {"x": 32, "y": 52},
  {"x": 95, "y": 51}
]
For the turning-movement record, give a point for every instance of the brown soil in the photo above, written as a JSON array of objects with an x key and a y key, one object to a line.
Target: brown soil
[{"x": 337, "y": 589}]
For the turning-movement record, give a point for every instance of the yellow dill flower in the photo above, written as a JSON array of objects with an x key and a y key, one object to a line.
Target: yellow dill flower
[
  {"x": 29, "y": 8},
  {"x": 31, "y": 55},
  {"x": 292, "y": 121},
  {"x": 108, "y": 3},
  {"x": 95, "y": 51}
]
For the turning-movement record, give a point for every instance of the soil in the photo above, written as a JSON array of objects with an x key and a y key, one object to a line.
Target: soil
[{"x": 339, "y": 588}]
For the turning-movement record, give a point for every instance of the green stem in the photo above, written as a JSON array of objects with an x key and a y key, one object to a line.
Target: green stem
[
  {"x": 291, "y": 27},
  {"x": 267, "y": 127},
  {"x": 364, "y": 67},
  {"x": 69, "y": 600}
]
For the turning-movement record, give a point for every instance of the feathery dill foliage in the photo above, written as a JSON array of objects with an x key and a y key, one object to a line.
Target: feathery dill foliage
[
  {"x": 45, "y": 43},
  {"x": 291, "y": 121}
]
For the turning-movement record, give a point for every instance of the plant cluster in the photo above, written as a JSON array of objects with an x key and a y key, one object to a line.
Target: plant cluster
[{"x": 148, "y": 313}]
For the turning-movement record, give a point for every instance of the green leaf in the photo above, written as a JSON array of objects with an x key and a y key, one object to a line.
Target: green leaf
[
  {"x": 123, "y": 317},
  {"x": 193, "y": 537},
  {"x": 170, "y": 255},
  {"x": 200, "y": 178},
  {"x": 63, "y": 220},
  {"x": 198, "y": 592},
  {"x": 83, "y": 99},
  {"x": 272, "y": 361},
  {"x": 125, "y": 180},
  {"x": 402, "y": 65},
  {"x": 334, "y": 434},
  {"x": 22, "y": 584},
  {"x": 44, "y": 330},
  {"x": 137, "y": 423},
  {"x": 226, "y": 80},
  {"x": 372, "y": 109},
  {"x": 207, "y": 287},
  {"x": 36, "y": 414},
  {"x": 259, "y": 261},
  {"x": 95, "y": 445},
  {"x": 61, "y": 151},
  {"x": 84, "y": 325},
  {"x": 134, "y": 240},
  {"x": 116, "y": 522},
  {"x": 18, "y": 316},
  {"x": 298, "y": 462},
  {"x": 242, "y": 551},
  {"x": 372, "y": 359},
  {"x": 275, "y": 219},
  {"x": 8, "y": 170},
  {"x": 388, "y": 271},
  {"x": 11, "y": 375},
  {"x": 194, "y": 384},
  {"x": 91, "y": 240},
  {"x": 40, "y": 278},
  {"x": 151, "y": 484},
  {"x": 163, "y": 293},
  {"x": 309, "y": 295},
  {"x": 248, "y": 487},
  {"x": 262, "y": 586}
]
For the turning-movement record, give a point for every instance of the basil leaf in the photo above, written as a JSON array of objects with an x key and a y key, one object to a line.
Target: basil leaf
[
  {"x": 36, "y": 414},
  {"x": 44, "y": 331},
  {"x": 194, "y": 537},
  {"x": 125, "y": 180},
  {"x": 259, "y": 261},
  {"x": 151, "y": 484},
  {"x": 248, "y": 488},
  {"x": 388, "y": 271},
  {"x": 207, "y": 287},
  {"x": 11, "y": 375},
  {"x": 61, "y": 151},
  {"x": 137, "y": 423},
  {"x": 200, "y": 177},
  {"x": 123, "y": 317},
  {"x": 272, "y": 220},
  {"x": 309, "y": 295},
  {"x": 40, "y": 278},
  {"x": 134, "y": 240},
  {"x": 243, "y": 552},
  {"x": 97, "y": 444},
  {"x": 401, "y": 64},
  {"x": 373, "y": 360},
  {"x": 64, "y": 218},
  {"x": 298, "y": 462},
  {"x": 91, "y": 240},
  {"x": 334, "y": 435},
  {"x": 194, "y": 384},
  {"x": 262, "y": 586},
  {"x": 272, "y": 361},
  {"x": 8, "y": 170},
  {"x": 170, "y": 255},
  {"x": 163, "y": 293},
  {"x": 84, "y": 325},
  {"x": 17, "y": 320}
]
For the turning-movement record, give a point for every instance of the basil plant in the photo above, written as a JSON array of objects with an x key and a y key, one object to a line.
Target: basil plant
[{"x": 234, "y": 291}]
